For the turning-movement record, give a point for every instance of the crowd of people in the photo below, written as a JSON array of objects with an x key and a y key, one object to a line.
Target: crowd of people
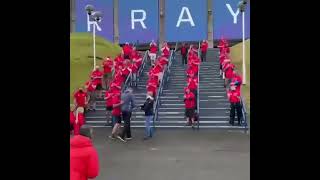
[
  {"x": 84, "y": 161},
  {"x": 233, "y": 81}
]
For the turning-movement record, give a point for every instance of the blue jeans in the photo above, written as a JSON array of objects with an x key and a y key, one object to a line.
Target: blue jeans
[{"x": 148, "y": 124}]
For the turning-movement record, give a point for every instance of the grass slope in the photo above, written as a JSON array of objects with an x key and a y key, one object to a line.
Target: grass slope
[
  {"x": 236, "y": 57},
  {"x": 81, "y": 57}
]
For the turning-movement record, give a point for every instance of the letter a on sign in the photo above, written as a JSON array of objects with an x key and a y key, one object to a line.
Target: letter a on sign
[{"x": 189, "y": 19}]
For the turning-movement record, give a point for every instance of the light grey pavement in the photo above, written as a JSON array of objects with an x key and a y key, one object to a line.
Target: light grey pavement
[{"x": 175, "y": 154}]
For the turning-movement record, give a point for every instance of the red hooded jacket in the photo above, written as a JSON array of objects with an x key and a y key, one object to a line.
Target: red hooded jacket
[
  {"x": 80, "y": 98},
  {"x": 234, "y": 96},
  {"x": 126, "y": 50},
  {"x": 107, "y": 66},
  {"x": 153, "y": 48},
  {"x": 204, "y": 47},
  {"x": 84, "y": 162},
  {"x": 97, "y": 76},
  {"x": 189, "y": 100}
]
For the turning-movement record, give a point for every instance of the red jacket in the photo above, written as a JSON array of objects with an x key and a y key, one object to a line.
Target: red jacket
[
  {"x": 80, "y": 98},
  {"x": 153, "y": 48},
  {"x": 77, "y": 126},
  {"x": 126, "y": 50},
  {"x": 229, "y": 70},
  {"x": 108, "y": 96},
  {"x": 90, "y": 86},
  {"x": 237, "y": 80},
  {"x": 97, "y": 76},
  {"x": 184, "y": 50},
  {"x": 189, "y": 100},
  {"x": 234, "y": 96},
  {"x": 166, "y": 51},
  {"x": 84, "y": 162},
  {"x": 107, "y": 66},
  {"x": 192, "y": 83},
  {"x": 204, "y": 47},
  {"x": 116, "y": 99}
]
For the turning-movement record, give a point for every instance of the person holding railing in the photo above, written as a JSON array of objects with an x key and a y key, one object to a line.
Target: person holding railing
[
  {"x": 80, "y": 98},
  {"x": 236, "y": 80},
  {"x": 204, "y": 48},
  {"x": 190, "y": 104},
  {"x": 147, "y": 107},
  {"x": 165, "y": 50},
  {"x": 91, "y": 86},
  {"x": 234, "y": 97},
  {"x": 126, "y": 50},
  {"x": 107, "y": 65},
  {"x": 96, "y": 76},
  {"x": 183, "y": 52},
  {"x": 192, "y": 84},
  {"x": 228, "y": 70},
  {"x": 153, "y": 52},
  {"x": 116, "y": 114}
]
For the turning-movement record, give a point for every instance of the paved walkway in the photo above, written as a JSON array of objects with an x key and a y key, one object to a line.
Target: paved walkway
[{"x": 174, "y": 155}]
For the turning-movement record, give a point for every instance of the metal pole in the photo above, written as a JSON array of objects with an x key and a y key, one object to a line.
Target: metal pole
[
  {"x": 94, "y": 46},
  {"x": 243, "y": 52}
]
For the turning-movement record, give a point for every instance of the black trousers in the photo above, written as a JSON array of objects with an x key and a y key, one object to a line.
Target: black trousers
[
  {"x": 235, "y": 107},
  {"x": 126, "y": 116},
  {"x": 203, "y": 56},
  {"x": 184, "y": 59}
]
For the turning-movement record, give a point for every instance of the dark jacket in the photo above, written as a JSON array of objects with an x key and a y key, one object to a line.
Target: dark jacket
[{"x": 147, "y": 107}]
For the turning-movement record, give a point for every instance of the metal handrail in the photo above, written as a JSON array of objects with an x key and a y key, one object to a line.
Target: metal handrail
[
  {"x": 198, "y": 90},
  {"x": 125, "y": 85},
  {"x": 142, "y": 65},
  {"x": 155, "y": 108},
  {"x": 244, "y": 113}
]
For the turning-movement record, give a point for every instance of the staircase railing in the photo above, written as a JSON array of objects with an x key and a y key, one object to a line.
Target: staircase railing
[
  {"x": 198, "y": 89},
  {"x": 244, "y": 113},
  {"x": 163, "y": 80},
  {"x": 141, "y": 69}
]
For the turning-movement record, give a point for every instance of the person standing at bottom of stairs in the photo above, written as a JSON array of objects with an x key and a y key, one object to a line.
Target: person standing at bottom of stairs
[
  {"x": 147, "y": 107},
  {"x": 116, "y": 114},
  {"x": 127, "y": 105},
  {"x": 190, "y": 104},
  {"x": 235, "y": 105}
]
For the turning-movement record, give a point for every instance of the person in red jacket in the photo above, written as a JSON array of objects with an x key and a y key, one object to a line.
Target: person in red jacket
[
  {"x": 183, "y": 52},
  {"x": 91, "y": 94},
  {"x": 228, "y": 73},
  {"x": 153, "y": 52},
  {"x": 204, "y": 48},
  {"x": 84, "y": 161},
  {"x": 236, "y": 81},
  {"x": 107, "y": 70},
  {"x": 80, "y": 98},
  {"x": 235, "y": 105},
  {"x": 116, "y": 114},
  {"x": 165, "y": 50},
  {"x": 126, "y": 49},
  {"x": 190, "y": 104},
  {"x": 79, "y": 120},
  {"x": 192, "y": 84},
  {"x": 97, "y": 75}
]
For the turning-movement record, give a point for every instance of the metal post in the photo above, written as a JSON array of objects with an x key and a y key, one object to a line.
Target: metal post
[
  {"x": 116, "y": 21},
  {"x": 243, "y": 51},
  {"x": 94, "y": 46}
]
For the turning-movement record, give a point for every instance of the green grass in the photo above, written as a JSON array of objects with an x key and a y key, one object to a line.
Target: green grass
[
  {"x": 236, "y": 57},
  {"x": 81, "y": 57}
]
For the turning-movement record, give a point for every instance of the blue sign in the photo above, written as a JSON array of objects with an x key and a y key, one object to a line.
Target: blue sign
[
  {"x": 227, "y": 20},
  {"x": 186, "y": 20},
  {"x": 138, "y": 20},
  {"x": 103, "y": 28}
]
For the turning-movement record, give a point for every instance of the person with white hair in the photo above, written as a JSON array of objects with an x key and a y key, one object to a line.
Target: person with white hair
[
  {"x": 153, "y": 52},
  {"x": 147, "y": 107}
]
